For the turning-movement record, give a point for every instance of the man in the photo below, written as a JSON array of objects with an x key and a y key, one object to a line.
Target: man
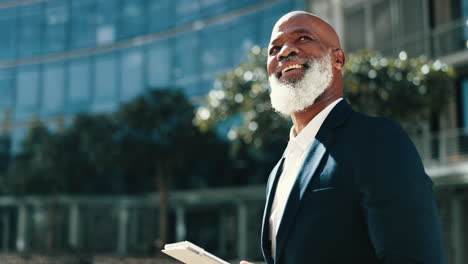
[{"x": 349, "y": 188}]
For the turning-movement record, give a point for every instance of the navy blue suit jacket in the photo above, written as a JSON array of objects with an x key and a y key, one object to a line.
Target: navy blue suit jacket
[{"x": 362, "y": 196}]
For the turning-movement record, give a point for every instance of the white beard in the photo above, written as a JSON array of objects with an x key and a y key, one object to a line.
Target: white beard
[{"x": 288, "y": 98}]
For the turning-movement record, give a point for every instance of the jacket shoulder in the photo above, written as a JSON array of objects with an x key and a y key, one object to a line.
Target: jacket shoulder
[{"x": 375, "y": 127}]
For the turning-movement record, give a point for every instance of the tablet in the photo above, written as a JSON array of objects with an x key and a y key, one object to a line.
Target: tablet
[{"x": 190, "y": 253}]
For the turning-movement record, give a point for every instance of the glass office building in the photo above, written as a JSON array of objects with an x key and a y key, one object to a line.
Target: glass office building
[
  {"x": 437, "y": 29},
  {"x": 62, "y": 57}
]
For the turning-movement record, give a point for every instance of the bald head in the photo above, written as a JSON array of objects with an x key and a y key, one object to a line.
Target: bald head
[
  {"x": 305, "y": 55},
  {"x": 325, "y": 32}
]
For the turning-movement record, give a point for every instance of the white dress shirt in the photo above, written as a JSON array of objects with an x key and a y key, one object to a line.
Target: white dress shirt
[{"x": 294, "y": 156}]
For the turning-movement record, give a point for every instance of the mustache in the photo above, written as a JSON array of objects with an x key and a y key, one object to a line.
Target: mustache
[{"x": 306, "y": 62}]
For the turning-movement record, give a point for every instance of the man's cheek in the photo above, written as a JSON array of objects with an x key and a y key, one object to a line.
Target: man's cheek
[{"x": 271, "y": 67}]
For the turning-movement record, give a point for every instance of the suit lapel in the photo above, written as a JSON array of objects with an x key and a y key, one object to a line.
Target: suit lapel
[
  {"x": 310, "y": 167},
  {"x": 271, "y": 189}
]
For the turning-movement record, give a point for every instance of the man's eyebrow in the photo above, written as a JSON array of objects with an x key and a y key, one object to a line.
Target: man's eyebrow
[
  {"x": 297, "y": 31},
  {"x": 301, "y": 31}
]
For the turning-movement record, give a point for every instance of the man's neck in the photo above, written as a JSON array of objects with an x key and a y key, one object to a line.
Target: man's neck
[{"x": 302, "y": 118}]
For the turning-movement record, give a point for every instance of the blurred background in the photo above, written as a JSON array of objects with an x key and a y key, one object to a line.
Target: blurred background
[{"x": 127, "y": 124}]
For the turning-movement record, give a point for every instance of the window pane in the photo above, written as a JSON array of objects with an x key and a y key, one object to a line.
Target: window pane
[
  {"x": 132, "y": 74},
  {"x": 210, "y": 8},
  {"x": 382, "y": 25},
  {"x": 17, "y": 137},
  {"x": 354, "y": 29},
  {"x": 106, "y": 11},
  {"x": 202, "y": 88},
  {"x": 411, "y": 25},
  {"x": 270, "y": 16},
  {"x": 159, "y": 65},
  {"x": 412, "y": 17},
  {"x": 78, "y": 85},
  {"x": 27, "y": 92},
  {"x": 132, "y": 18},
  {"x": 464, "y": 8},
  {"x": 243, "y": 31},
  {"x": 299, "y": 4},
  {"x": 8, "y": 29},
  {"x": 6, "y": 89},
  {"x": 195, "y": 88},
  {"x": 53, "y": 90},
  {"x": 464, "y": 97},
  {"x": 187, "y": 11},
  {"x": 216, "y": 44},
  {"x": 161, "y": 14},
  {"x": 56, "y": 19},
  {"x": 52, "y": 126},
  {"x": 243, "y": 3},
  {"x": 83, "y": 19},
  {"x": 105, "y": 93},
  {"x": 30, "y": 31},
  {"x": 187, "y": 61}
]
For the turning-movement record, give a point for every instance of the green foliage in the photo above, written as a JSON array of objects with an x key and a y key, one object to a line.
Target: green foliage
[
  {"x": 406, "y": 89},
  {"x": 158, "y": 130},
  {"x": 403, "y": 89},
  {"x": 241, "y": 99},
  {"x": 86, "y": 154},
  {"x": 29, "y": 170},
  {"x": 121, "y": 153},
  {"x": 79, "y": 159}
]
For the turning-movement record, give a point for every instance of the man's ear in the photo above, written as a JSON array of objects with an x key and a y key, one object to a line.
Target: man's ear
[{"x": 338, "y": 58}]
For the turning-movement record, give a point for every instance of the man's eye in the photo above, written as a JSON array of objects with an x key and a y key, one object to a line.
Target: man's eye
[
  {"x": 274, "y": 50},
  {"x": 304, "y": 38}
]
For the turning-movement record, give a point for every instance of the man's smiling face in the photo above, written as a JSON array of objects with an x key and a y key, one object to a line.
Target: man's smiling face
[
  {"x": 295, "y": 42},
  {"x": 299, "y": 62}
]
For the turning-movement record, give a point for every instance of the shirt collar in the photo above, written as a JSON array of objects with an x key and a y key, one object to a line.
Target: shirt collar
[{"x": 305, "y": 138}]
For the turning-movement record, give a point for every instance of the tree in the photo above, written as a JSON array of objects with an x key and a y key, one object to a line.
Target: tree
[
  {"x": 157, "y": 129},
  {"x": 77, "y": 160},
  {"x": 28, "y": 172},
  {"x": 150, "y": 143},
  {"x": 408, "y": 90},
  {"x": 86, "y": 152},
  {"x": 405, "y": 89},
  {"x": 32, "y": 172}
]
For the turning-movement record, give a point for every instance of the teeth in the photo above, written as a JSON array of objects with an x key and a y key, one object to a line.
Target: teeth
[{"x": 293, "y": 66}]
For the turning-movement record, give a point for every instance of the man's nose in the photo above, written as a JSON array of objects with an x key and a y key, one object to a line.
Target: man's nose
[{"x": 286, "y": 51}]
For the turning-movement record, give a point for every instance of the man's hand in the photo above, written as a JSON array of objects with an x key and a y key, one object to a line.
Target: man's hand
[{"x": 245, "y": 262}]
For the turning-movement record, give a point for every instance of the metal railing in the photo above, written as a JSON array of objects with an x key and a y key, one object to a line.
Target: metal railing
[
  {"x": 218, "y": 219},
  {"x": 444, "y": 40},
  {"x": 445, "y": 155},
  {"x": 442, "y": 148},
  {"x": 450, "y": 38}
]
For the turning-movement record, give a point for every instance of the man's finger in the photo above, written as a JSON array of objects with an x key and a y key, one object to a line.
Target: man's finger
[{"x": 245, "y": 262}]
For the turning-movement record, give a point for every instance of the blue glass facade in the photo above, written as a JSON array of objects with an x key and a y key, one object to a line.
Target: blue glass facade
[{"x": 61, "y": 57}]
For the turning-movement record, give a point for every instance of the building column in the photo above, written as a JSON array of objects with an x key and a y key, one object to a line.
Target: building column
[
  {"x": 338, "y": 18},
  {"x": 241, "y": 231},
  {"x": 133, "y": 226},
  {"x": 443, "y": 151},
  {"x": 426, "y": 144},
  {"x": 22, "y": 226},
  {"x": 181, "y": 227},
  {"x": 427, "y": 27},
  {"x": 74, "y": 227},
  {"x": 6, "y": 231},
  {"x": 123, "y": 230},
  {"x": 457, "y": 229},
  {"x": 368, "y": 26},
  {"x": 222, "y": 247}
]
